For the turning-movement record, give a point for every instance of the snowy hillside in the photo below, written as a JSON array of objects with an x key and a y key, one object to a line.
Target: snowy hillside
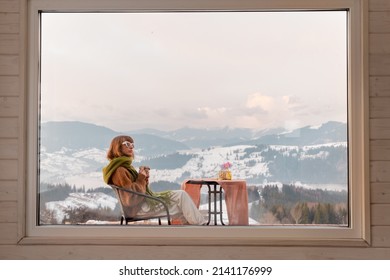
[
  {"x": 76, "y": 167},
  {"x": 81, "y": 200},
  {"x": 73, "y": 154},
  {"x": 100, "y": 200},
  {"x": 256, "y": 164}
]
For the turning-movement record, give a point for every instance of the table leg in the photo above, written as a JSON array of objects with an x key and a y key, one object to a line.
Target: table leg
[
  {"x": 213, "y": 191},
  {"x": 209, "y": 208}
]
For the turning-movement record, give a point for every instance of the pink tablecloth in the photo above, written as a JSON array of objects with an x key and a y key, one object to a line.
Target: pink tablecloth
[{"x": 236, "y": 198}]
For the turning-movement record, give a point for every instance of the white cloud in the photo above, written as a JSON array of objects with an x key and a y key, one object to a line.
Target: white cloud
[
  {"x": 264, "y": 102},
  {"x": 213, "y": 112}
]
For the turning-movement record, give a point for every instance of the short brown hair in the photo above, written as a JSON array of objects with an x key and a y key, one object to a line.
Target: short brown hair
[{"x": 115, "y": 149}]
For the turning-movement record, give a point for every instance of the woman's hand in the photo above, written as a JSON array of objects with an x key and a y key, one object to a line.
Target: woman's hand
[{"x": 144, "y": 170}]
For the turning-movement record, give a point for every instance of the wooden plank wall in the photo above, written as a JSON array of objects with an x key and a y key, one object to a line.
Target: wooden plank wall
[
  {"x": 10, "y": 95},
  {"x": 379, "y": 69},
  {"x": 11, "y": 179}
]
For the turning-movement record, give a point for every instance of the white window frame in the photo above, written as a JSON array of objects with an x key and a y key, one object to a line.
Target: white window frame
[{"x": 356, "y": 234}]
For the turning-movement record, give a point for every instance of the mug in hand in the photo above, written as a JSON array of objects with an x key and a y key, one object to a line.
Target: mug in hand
[{"x": 146, "y": 168}]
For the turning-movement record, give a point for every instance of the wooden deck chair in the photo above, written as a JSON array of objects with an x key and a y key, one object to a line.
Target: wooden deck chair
[{"x": 129, "y": 210}]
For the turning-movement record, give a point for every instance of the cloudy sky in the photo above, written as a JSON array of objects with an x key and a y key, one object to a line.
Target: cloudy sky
[{"x": 169, "y": 70}]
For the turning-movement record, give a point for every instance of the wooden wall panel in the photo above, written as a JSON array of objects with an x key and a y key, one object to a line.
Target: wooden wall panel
[
  {"x": 9, "y": 86},
  {"x": 379, "y": 5},
  {"x": 380, "y": 214},
  {"x": 380, "y": 172},
  {"x": 380, "y": 86},
  {"x": 9, "y": 65},
  {"x": 9, "y": 106},
  {"x": 8, "y": 233},
  {"x": 380, "y": 150},
  {"x": 379, "y": 43},
  {"x": 8, "y": 148},
  {"x": 9, "y": 23},
  {"x": 9, "y": 116},
  {"x": 189, "y": 252},
  {"x": 379, "y": 22},
  {"x": 379, "y": 129},
  {"x": 9, "y": 43},
  {"x": 380, "y": 193},
  {"x": 379, "y": 107},
  {"x": 9, "y": 127},
  {"x": 380, "y": 236},
  {"x": 8, "y": 191},
  {"x": 9, "y": 169},
  {"x": 8, "y": 212},
  {"x": 9, "y": 6},
  {"x": 379, "y": 69},
  {"x": 379, "y": 64}
]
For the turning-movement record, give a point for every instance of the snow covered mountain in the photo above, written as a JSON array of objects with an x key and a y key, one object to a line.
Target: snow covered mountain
[{"x": 74, "y": 153}]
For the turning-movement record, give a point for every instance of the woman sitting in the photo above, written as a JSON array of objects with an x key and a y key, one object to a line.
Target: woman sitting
[{"x": 120, "y": 172}]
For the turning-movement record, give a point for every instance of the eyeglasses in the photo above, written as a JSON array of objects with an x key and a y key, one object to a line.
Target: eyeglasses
[{"x": 128, "y": 144}]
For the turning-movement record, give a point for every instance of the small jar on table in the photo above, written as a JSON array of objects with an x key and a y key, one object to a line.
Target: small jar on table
[{"x": 225, "y": 175}]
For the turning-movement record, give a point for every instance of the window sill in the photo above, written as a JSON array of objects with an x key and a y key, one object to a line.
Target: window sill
[{"x": 199, "y": 236}]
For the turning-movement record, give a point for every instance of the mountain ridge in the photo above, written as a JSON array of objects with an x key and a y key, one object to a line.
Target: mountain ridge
[
  {"x": 320, "y": 155},
  {"x": 153, "y": 142}
]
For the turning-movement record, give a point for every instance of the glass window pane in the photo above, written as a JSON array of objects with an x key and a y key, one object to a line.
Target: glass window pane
[{"x": 265, "y": 91}]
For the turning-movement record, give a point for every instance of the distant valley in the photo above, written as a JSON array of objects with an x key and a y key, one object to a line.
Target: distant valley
[{"x": 74, "y": 153}]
